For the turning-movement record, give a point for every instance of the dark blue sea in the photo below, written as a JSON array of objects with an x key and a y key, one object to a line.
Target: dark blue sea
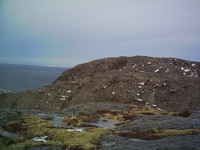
[{"x": 18, "y": 78}]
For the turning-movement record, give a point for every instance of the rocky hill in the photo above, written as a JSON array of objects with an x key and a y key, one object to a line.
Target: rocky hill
[{"x": 162, "y": 83}]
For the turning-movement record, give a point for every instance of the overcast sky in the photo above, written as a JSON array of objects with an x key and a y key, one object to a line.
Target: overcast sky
[{"x": 69, "y": 32}]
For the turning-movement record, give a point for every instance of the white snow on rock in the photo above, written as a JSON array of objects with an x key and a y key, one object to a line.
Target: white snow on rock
[
  {"x": 69, "y": 91},
  {"x": 167, "y": 71},
  {"x": 138, "y": 94},
  {"x": 75, "y": 129},
  {"x": 104, "y": 86},
  {"x": 172, "y": 90},
  {"x": 142, "y": 83},
  {"x": 40, "y": 139},
  {"x": 194, "y": 65},
  {"x": 138, "y": 99},
  {"x": 157, "y": 70},
  {"x": 185, "y": 69},
  {"x": 134, "y": 66},
  {"x": 113, "y": 93},
  {"x": 62, "y": 98},
  {"x": 149, "y": 63}
]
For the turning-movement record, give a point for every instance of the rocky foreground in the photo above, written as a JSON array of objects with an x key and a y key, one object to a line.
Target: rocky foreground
[
  {"x": 125, "y": 103},
  {"x": 100, "y": 126}
]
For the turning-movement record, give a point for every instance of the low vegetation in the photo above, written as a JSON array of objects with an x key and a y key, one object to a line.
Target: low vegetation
[
  {"x": 171, "y": 132},
  {"x": 30, "y": 127},
  {"x": 121, "y": 117}
]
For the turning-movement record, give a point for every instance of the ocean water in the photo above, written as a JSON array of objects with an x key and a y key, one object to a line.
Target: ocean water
[{"x": 19, "y": 78}]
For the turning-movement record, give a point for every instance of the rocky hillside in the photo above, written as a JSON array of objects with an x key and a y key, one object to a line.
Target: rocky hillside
[{"x": 162, "y": 83}]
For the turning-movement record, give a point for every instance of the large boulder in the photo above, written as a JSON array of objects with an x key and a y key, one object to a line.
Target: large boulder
[{"x": 164, "y": 83}]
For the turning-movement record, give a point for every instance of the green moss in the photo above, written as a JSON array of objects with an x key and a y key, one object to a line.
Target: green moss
[
  {"x": 171, "y": 132},
  {"x": 30, "y": 127},
  {"x": 19, "y": 143},
  {"x": 139, "y": 111}
]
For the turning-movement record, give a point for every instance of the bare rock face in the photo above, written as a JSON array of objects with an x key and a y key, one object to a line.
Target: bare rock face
[{"x": 163, "y": 83}]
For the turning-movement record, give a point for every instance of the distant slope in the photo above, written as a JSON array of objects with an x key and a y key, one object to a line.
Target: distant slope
[
  {"x": 27, "y": 77},
  {"x": 165, "y": 83}
]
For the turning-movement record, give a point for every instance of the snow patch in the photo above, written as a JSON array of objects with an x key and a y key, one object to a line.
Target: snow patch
[
  {"x": 142, "y": 83},
  {"x": 113, "y": 93},
  {"x": 185, "y": 69},
  {"x": 40, "y": 139},
  {"x": 167, "y": 71},
  {"x": 194, "y": 65},
  {"x": 62, "y": 98},
  {"x": 134, "y": 66},
  {"x": 172, "y": 90},
  {"x": 138, "y": 99},
  {"x": 157, "y": 70},
  {"x": 69, "y": 91},
  {"x": 75, "y": 129}
]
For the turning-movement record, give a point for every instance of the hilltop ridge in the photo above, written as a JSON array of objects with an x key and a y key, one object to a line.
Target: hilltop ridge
[{"x": 163, "y": 83}]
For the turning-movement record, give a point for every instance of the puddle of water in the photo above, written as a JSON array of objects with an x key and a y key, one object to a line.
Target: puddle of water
[
  {"x": 54, "y": 118},
  {"x": 104, "y": 123},
  {"x": 9, "y": 134},
  {"x": 109, "y": 144},
  {"x": 57, "y": 121},
  {"x": 136, "y": 140}
]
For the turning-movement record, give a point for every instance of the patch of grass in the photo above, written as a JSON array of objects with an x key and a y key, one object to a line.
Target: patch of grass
[
  {"x": 30, "y": 127},
  {"x": 122, "y": 117},
  {"x": 185, "y": 113},
  {"x": 140, "y": 111},
  {"x": 77, "y": 120},
  {"x": 172, "y": 132},
  {"x": 19, "y": 143},
  {"x": 72, "y": 120}
]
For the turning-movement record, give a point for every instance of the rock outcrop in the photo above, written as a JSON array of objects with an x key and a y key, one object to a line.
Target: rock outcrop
[{"x": 163, "y": 83}]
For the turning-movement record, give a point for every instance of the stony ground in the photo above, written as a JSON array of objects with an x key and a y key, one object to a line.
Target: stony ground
[
  {"x": 102, "y": 126},
  {"x": 166, "y": 83},
  {"x": 187, "y": 142}
]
